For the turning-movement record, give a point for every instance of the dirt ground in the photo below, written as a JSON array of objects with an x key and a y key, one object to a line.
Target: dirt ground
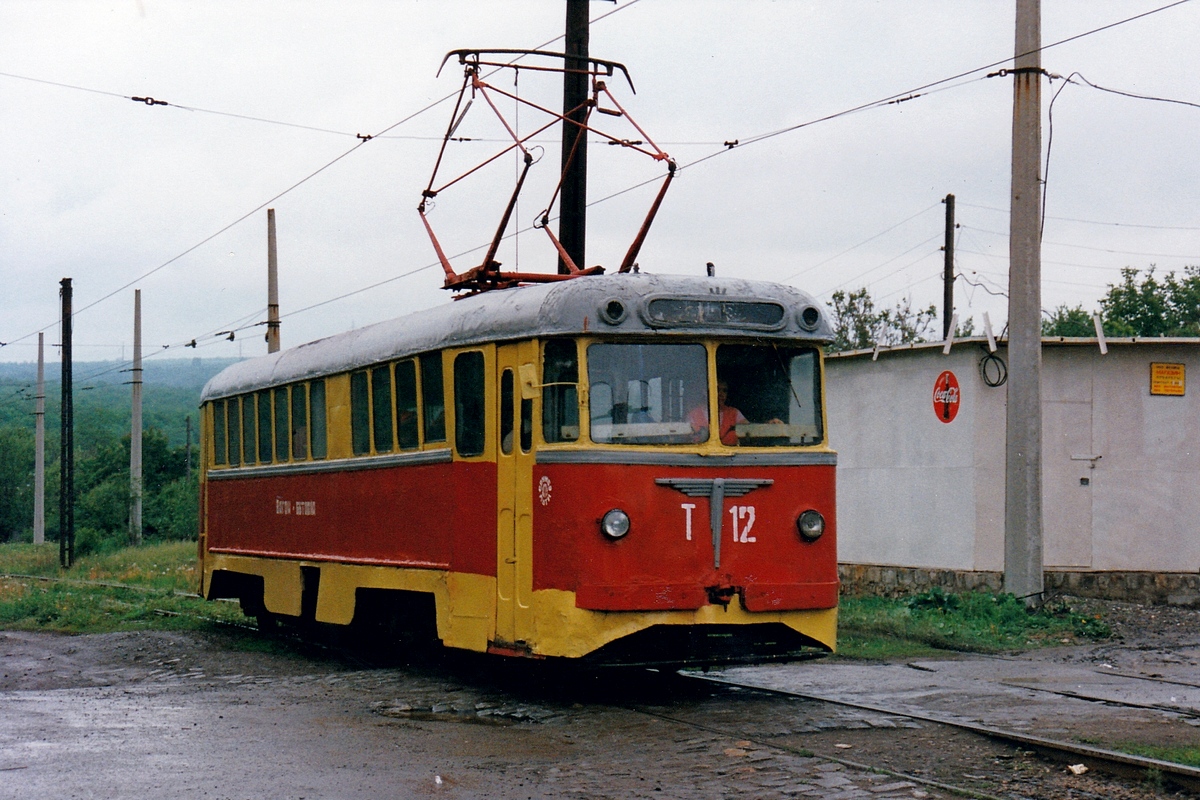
[{"x": 226, "y": 715}]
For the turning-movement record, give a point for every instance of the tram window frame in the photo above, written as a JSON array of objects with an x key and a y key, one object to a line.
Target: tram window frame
[
  {"x": 470, "y": 403},
  {"x": 299, "y": 422},
  {"x": 249, "y": 430},
  {"x": 775, "y": 387},
  {"x": 234, "y": 429},
  {"x": 283, "y": 439},
  {"x": 433, "y": 398},
  {"x": 560, "y": 391},
  {"x": 220, "y": 445},
  {"x": 381, "y": 409},
  {"x": 265, "y": 431},
  {"x": 360, "y": 413},
  {"x": 408, "y": 428},
  {"x": 318, "y": 427},
  {"x": 655, "y": 393}
]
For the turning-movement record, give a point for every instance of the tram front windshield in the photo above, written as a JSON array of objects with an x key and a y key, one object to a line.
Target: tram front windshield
[{"x": 768, "y": 395}]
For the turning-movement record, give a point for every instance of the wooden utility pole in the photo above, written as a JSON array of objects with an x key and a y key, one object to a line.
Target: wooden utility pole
[
  {"x": 272, "y": 286},
  {"x": 1023, "y": 461},
  {"x": 572, "y": 221},
  {"x": 39, "y": 456},
  {"x": 66, "y": 458},
  {"x": 948, "y": 271},
  {"x": 188, "y": 449},
  {"x": 135, "y": 430}
]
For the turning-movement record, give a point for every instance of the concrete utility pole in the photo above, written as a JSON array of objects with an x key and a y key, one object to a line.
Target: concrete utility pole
[
  {"x": 272, "y": 286},
  {"x": 1023, "y": 467},
  {"x": 948, "y": 272},
  {"x": 39, "y": 456},
  {"x": 572, "y": 221},
  {"x": 66, "y": 458},
  {"x": 135, "y": 430}
]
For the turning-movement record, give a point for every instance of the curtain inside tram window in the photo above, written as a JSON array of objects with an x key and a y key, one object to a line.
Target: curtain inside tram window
[
  {"x": 470, "y": 411},
  {"x": 299, "y": 422},
  {"x": 218, "y": 418},
  {"x": 360, "y": 414},
  {"x": 406, "y": 405},
  {"x": 560, "y": 393},
  {"x": 433, "y": 399},
  {"x": 316, "y": 402},
  {"x": 381, "y": 403},
  {"x": 283, "y": 433}
]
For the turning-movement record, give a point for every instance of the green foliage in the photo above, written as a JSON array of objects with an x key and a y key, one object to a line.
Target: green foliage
[
  {"x": 1069, "y": 322},
  {"x": 16, "y": 481},
  {"x": 1148, "y": 306},
  {"x": 875, "y": 627},
  {"x": 857, "y": 324}
]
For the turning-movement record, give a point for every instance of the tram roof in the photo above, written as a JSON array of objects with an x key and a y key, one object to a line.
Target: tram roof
[{"x": 620, "y": 304}]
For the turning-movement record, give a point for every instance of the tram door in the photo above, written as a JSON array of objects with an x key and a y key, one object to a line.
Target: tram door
[{"x": 514, "y": 473}]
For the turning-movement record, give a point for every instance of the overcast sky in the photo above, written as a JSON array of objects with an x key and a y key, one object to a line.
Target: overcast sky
[{"x": 103, "y": 189}]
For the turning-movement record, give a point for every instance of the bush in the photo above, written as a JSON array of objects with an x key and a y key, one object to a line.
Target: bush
[{"x": 172, "y": 512}]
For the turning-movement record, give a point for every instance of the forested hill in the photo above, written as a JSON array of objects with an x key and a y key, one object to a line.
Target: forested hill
[{"x": 170, "y": 394}]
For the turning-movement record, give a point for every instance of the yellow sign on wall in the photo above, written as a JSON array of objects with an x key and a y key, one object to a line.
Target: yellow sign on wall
[{"x": 1167, "y": 379}]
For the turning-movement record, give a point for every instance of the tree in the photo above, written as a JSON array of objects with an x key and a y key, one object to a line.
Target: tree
[
  {"x": 16, "y": 481},
  {"x": 1150, "y": 307},
  {"x": 1069, "y": 322},
  {"x": 858, "y": 325}
]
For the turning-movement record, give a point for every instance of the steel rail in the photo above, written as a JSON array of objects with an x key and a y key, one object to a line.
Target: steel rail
[{"x": 1094, "y": 758}]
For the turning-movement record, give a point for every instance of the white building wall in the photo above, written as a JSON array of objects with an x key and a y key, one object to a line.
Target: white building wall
[{"x": 1121, "y": 468}]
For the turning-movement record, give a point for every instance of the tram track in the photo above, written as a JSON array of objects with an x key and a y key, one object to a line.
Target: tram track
[{"x": 1095, "y": 759}]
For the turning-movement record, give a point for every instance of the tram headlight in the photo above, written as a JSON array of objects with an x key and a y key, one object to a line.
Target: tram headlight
[
  {"x": 810, "y": 525},
  {"x": 615, "y": 524}
]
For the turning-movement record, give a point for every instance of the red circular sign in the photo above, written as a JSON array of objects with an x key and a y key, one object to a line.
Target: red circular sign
[{"x": 946, "y": 395}]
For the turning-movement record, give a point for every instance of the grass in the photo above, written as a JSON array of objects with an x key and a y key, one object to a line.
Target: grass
[
  {"x": 1188, "y": 756},
  {"x": 933, "y": 622},
  {"x": 155, "y": 580}
]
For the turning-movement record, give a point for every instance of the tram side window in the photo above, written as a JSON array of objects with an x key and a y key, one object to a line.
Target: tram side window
[
  {"x": 360, "y": 414},
  {"x": 218, "y": 416},
  {"x": 560, "y": 395},
  {"x": 249, "y": 429},
  {"x": 316, "y": 402},
  {"x": 777, "y": 391},
  {"x": 235, "y": 429},
  {"x": 282, "y": 429},
  {"x": 299, "y": 432},
  {"x": 264, "y": 426},
  {"x": 433, "y": 397},
  {"x": 469, "y": 405},
  {"x": 406, "y": 405},
  {"x": 381, "y": 402}
]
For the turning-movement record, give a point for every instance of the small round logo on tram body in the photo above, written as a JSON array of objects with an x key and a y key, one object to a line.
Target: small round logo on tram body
[
  {"x": 544, "y": 488},
  {"x": 946, "y": 396}
]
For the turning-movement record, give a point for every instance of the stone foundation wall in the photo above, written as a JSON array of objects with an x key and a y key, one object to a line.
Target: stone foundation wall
[{"x": 1154, "y": 588}]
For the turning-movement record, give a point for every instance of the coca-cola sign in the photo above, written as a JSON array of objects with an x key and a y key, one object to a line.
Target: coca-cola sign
[{"x": 946, "y": 396}]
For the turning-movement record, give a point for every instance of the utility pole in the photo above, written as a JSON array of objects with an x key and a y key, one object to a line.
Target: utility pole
[
  {"x": 1023, "y": 458},
  {"x": 272, "y": 286},
  {"x": 66, "y": 459},
  {"x": 39, "y": 456},
  {"x": 188, "y": 449},
  {"x": 572, "y": 221},
  {"x": 135, "y": 431},
  {"x": 948, "y": 272}
]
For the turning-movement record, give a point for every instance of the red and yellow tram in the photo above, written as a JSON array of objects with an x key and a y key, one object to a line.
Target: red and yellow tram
[{"x": 533, "y": 472}]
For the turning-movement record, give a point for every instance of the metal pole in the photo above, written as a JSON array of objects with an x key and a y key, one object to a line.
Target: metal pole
[
  {"x": 948, "y": 273},
  {"x": 135, "y": 431},
  {"x": 66, "y": 460},
  {"x": 1023, "y": 468},
  {"x": 39, "y": 456},
  {"x": 572, "y": 221},
  {"x": 272, "y": 286}
]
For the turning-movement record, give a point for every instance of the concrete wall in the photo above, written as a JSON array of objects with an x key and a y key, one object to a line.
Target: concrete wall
[{"x": 1121, "y": 468}]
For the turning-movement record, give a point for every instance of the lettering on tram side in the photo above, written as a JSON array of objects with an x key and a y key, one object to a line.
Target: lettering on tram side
[
  {"x": 687, "y": 511},
  {"x": 299, "y": 508}
]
